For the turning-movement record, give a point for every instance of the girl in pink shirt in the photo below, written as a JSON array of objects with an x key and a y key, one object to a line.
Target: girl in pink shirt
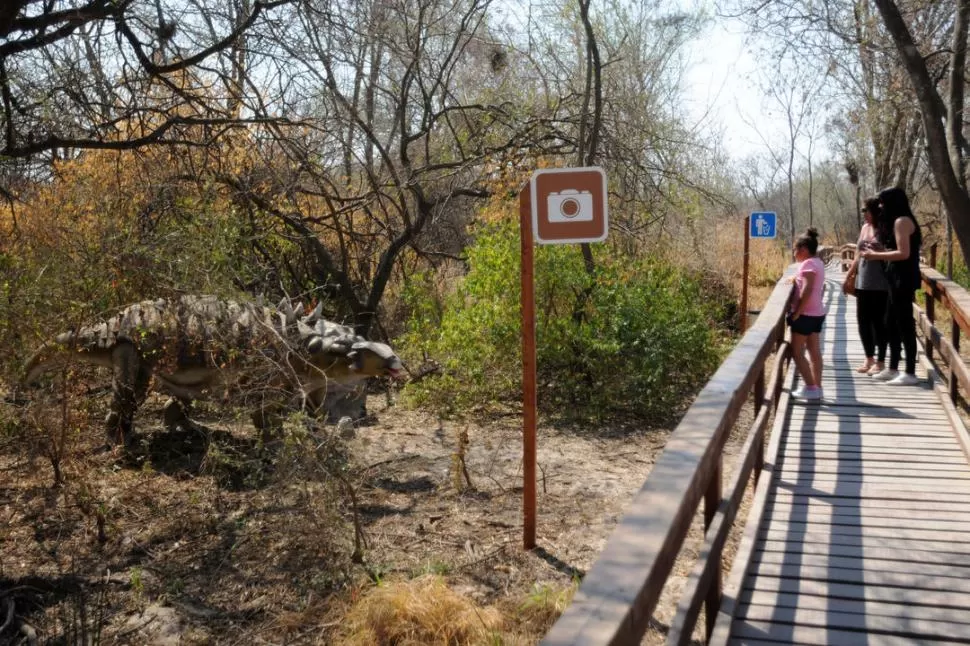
[{"x": 807, "y": 315}]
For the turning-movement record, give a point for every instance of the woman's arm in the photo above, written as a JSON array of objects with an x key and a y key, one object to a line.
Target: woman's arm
[
  {"x": 903, "y": 228},
  {"x": 805, "y": 294}
]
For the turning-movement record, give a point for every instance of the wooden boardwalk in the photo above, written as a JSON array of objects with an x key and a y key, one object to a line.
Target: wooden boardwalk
[{"x": 865, "y": 534}]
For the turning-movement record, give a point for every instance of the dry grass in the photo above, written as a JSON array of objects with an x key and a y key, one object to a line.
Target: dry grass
[
  {"x": 715, "y": 246},
  {"x": 420, "y": 611},
  {"x": 426, "y": 610}
]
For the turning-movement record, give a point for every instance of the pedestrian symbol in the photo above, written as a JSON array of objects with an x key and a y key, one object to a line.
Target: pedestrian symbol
[{"x": 763, "y": 224}]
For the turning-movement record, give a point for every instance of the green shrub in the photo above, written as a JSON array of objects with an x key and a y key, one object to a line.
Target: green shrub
[{"x": 645, "y": 335}]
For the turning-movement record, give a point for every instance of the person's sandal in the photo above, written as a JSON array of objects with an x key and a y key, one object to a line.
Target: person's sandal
[{"x": 865, "y": 368}]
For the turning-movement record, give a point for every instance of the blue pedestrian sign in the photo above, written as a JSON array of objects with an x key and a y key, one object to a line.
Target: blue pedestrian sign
[{"x": 763, "y": 224}]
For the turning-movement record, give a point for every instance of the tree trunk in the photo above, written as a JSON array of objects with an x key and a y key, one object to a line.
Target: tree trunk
[
  {"x": 951, "y": 189},
  {"x": 957, "y": 87},
  {"x": 586, "y": 154}
]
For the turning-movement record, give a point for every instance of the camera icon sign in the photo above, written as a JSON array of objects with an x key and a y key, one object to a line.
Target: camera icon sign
[{"x": 569, "y": 205}]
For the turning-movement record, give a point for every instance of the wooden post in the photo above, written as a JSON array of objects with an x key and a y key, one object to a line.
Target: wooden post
[
  {"x": 744, "y": 275},
  {"x": 712, "y": 500},
  {"x": 955, "y": 339},
  {"x": 931, "y": 302},
  {"x": 759, "y": 396},
  {"x": 949, "y": 248},
  {"x": 528, "y": 371}
]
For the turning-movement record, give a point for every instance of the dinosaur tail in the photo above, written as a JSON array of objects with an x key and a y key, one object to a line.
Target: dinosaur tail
[
  {"x": 56, "y": 353},
  {"x": 46, "y": 356}
]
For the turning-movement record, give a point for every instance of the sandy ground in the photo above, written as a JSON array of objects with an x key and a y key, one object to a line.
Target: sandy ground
[{"x": 190, "y": 542}]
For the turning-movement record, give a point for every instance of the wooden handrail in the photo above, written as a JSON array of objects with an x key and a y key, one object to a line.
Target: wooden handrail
[
  {"x": 708, "y": 565},
  {"x": 619, "y": 593},
  {"x": 847, "y": 253},
  {"x": 956, "y": 300}
]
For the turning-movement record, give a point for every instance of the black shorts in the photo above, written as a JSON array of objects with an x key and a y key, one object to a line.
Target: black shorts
[{"x": 806, "y": 325}]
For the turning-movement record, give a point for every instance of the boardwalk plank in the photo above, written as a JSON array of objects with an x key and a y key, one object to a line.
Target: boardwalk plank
[
  {"x": 828, "y": 502},
  {"x": 834, "y": 618},
  {"x": 889, "y": 483},
  {"x": 871, "y": 549},
  {"x": 864, "y": 562},
  {"x": 837, "y": 490},
  {"x": 855, "y": 541},
  {"x": 865, "y": 538},
  {"x": 899, "y": 468},
  {"x": 855, "y": 454},
  {"x": 872, "y": 528},
  {"x": 854, "y": 606},
  {"x": 811, "y": 635},
  {"x": 860, "y": 520},
  {"x": 858, "y": 592},
  {"x": 855, "y": 425},
  {"x": 821, "y": 510}
]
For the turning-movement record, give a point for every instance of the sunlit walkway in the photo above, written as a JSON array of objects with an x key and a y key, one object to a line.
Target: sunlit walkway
[{"x": 865, "y": 537}]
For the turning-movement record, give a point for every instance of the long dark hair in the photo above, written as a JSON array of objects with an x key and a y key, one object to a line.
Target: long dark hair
[{"x": 895, "y": 205}]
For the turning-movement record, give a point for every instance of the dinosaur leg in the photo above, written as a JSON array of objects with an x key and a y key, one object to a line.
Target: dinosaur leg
[
  {"x": 129, "y": 387},
  {"x": 175, "y": 414},
  {"x": 268, "y": 420},
  {"x": 315, "y": 401},
  {"x": 345, "y": 403}
]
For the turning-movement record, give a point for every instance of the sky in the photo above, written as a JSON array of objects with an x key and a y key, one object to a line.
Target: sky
[{"x": 720, "y": 91}]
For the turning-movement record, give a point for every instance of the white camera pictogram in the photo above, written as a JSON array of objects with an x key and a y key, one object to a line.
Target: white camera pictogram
[{"x": 570, "y": 205}]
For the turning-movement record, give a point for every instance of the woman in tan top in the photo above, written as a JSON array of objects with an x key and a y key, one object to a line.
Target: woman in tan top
[{"x": 871, "y": 291}]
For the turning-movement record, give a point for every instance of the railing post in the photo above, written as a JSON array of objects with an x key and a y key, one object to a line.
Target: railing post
[
  {"x": 955, "y": 340},
  {"x": 712, "y": 500},
  {"x": 931, "y": 302},
  {"x": 759, "y": 450}
]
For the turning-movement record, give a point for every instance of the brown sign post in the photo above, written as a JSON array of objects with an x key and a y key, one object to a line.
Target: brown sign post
[
  {"x": 561, "y": 205},
  {"x": 744, "y": 275}
]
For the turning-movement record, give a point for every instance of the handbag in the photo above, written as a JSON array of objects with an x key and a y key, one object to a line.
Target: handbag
[{"x": 848, "y": 285}]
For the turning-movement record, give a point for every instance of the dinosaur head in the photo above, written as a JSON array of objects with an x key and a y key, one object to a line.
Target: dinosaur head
[
  {"x": 335, "y": 348},
  {"x": 375, "y": 359}
]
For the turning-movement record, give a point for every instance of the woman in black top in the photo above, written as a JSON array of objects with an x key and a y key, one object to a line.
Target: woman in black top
[{"x": 900, "y": 234}]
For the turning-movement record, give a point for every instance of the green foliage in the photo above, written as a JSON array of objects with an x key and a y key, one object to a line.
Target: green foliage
[
  {"x": 645, "y": 336},
  {"x": 961, "y": 273}
]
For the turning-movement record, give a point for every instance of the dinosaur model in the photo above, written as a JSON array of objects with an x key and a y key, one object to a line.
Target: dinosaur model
[{"x": 195, "y": 345}]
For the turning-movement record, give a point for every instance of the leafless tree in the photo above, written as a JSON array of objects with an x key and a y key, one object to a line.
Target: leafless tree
[
  {"x": 82, "y": 74},
  {"x": 943, "y": 121}
]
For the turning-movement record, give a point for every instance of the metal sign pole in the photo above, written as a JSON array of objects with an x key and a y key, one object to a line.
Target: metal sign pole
[
  {"x": 744, "y": 274},
  {"x": 528, "y": 371}
]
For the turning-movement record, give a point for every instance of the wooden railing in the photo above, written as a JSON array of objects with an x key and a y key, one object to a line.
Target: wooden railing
[
  {"x": 847, "y": 253},
  {"x": 619, "y": 593},
  {"x": 956, "y": 300}
]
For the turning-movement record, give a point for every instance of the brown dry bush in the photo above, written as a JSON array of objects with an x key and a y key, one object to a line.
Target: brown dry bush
[{"x": 423, "y": 611}]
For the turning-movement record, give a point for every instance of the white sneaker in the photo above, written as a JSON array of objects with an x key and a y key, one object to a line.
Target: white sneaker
[
  {"x": 808, "y": 393},
  {"x": 904, "y": 379},
  {"x": 886, "y": 375}
]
